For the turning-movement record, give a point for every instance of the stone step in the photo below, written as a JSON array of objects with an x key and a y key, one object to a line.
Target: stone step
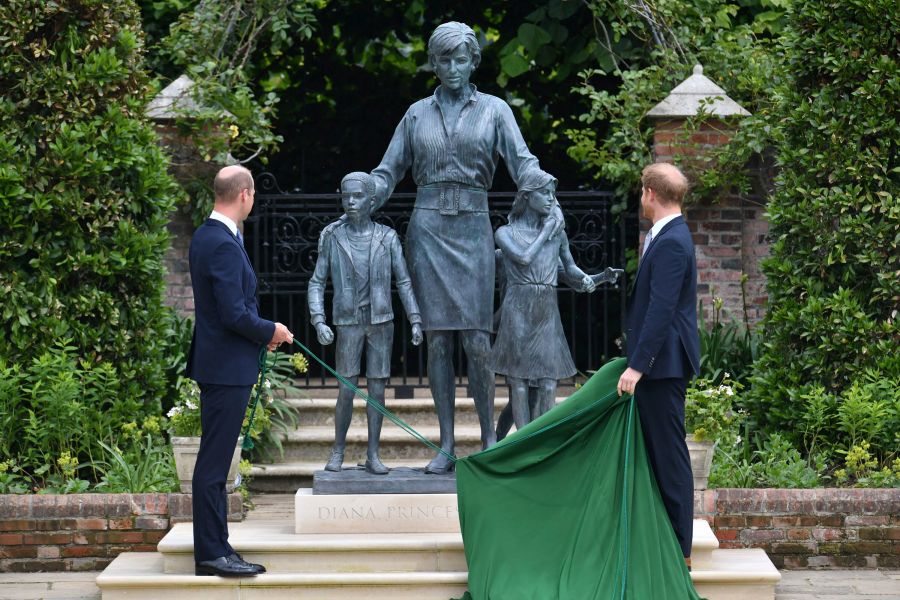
[
  {"x": 288, "y": 477},
  {"x": 313, "y": 443},
  {"x": 727, "y": 575},
  {"x": 140, "y": 576},
  {"x": 414, "y": 411},
  {"x": 275, "y": 545}
]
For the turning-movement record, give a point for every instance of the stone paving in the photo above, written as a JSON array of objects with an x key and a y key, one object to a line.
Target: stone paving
[{"x": 795, "y": 585}]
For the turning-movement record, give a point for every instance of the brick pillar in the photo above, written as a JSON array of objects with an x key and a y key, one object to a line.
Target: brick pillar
[{"x": 729, "y": 231}]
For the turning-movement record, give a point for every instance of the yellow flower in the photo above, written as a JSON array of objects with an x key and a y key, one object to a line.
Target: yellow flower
[
  {"x": 300, "y": 363},
  {"x": 234, "y": 131}
]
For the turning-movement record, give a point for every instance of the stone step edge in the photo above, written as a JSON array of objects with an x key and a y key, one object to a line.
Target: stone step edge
[
  {"x": 307, "y": 468},
  {"x": 177, "y": 540},
  {"x": 389, "y": 433},
  {"x": 119, "y": 575}
]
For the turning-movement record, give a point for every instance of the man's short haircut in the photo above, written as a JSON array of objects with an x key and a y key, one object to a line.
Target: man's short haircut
[
  {"x": 667, "y": 181},
  {"x": 367, "y": 180},
  {"x": 448, "y": 36},
  {"x": 230, "y": 181}
]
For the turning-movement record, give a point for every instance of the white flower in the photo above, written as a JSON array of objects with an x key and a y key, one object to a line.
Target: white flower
[
  {"x": 268, "y": 384},
  {"x": 190, "y": 404},
  {"x": 729, "y": 391},
  {"x": 727, "y": 375},
  {"x": 175, "y": 410}
]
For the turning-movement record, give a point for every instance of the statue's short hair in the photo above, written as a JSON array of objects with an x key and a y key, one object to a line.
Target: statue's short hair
[
  {"x": 531, "y": 181},
  {"x": 367, "y": 180},
  {"x": 448, "y": 36},
  {"x": 667, "y": 181},
  {"x": 230, "y": 181}
]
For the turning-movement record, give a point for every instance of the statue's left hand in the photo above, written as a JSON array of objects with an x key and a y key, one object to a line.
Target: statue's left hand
[
  {"x": 416, "y": 334},
  {"x": 587, "y": 284}
]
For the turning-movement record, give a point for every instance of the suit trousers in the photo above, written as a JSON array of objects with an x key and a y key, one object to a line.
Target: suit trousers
[
  {"x": 222, "y": 409},
  {"x": 661, "y": 409}
]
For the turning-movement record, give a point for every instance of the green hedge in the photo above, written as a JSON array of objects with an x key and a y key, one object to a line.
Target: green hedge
[
  {"x": 85, "y": 198},
  {"x": 831, "y": 357}
]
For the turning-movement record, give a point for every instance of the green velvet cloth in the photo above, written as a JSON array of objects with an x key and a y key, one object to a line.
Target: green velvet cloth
[{"x": 568, "y": 508}]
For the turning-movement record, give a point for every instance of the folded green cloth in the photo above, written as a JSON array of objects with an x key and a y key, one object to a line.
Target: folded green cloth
[{"x": 568, "y": 508}]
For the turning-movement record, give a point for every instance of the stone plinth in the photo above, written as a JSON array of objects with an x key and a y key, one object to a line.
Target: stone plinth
[
  {"x": 400, "y": 480},
  {"x": 375, "y": 513}
]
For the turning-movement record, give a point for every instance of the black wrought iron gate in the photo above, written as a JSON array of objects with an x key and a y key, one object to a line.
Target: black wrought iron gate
[{"x": 282, "y": 237}]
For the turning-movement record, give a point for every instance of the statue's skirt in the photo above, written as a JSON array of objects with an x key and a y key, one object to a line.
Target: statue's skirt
[{"x": 450, "y": 253}]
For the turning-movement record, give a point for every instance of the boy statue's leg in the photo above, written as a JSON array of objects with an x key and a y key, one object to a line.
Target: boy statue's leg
[
  {"x": 379, "y": 342},
  {"x": 350, "y": 339},
  {"x": 375, "y": 418}
]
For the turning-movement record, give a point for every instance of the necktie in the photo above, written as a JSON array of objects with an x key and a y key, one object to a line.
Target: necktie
[
  {"x": 240, "y": 238},
  {"x": 647, "y": 241}
]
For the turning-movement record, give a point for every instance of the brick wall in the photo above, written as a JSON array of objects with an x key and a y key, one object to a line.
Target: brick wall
[
  {"x": 816, "y": 528},
  {"x": 179, "y": 294},
  {"x": 729, "y": 233},
  {"x": 85, "y": 532}
]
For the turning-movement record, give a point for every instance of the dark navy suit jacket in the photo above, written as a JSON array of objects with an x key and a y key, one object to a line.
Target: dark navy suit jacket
[
  {"x": 228, "y": 332},
  {"x": 661, "y": 328}
]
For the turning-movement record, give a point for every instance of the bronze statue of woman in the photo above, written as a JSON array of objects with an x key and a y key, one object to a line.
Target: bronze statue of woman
[{"x": 451, "y": 142}]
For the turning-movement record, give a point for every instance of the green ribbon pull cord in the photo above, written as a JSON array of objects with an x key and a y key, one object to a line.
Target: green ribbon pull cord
[{"x": 264, "y": 367}]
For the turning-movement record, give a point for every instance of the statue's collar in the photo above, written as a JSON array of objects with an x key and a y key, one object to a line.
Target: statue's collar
[{"x": 473, "y": 97}]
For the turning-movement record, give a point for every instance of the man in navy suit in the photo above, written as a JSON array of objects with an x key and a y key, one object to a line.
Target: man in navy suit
[
  {"x": 224, "y": 361},
  {"x": 663, "y": 346}
]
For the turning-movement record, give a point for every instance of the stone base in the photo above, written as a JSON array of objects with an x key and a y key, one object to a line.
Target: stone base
[
  {"x": 400, "y": 480},
  {"x": 375, "y": 513}
]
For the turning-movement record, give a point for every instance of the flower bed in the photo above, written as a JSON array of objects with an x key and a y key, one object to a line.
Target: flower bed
[{"x": 85, "y": 532}]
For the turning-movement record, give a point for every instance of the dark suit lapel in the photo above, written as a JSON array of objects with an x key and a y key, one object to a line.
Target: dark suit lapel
[{"x": 662, "y": 232}]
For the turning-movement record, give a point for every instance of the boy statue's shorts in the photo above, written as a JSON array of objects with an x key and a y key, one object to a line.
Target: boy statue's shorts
[{"x": 378, "y": 340}]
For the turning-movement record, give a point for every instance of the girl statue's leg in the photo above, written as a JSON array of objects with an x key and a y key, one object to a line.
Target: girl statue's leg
[
  {"x": 546, "y": 396},
  {"x": 518, "y": 399}
]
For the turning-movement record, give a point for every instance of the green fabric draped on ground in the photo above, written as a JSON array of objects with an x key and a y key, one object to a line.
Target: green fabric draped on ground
[{"x": 568, "y": 508}]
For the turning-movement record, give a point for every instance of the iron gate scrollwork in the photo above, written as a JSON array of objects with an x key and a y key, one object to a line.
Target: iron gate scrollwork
[{"x": 282, "y": 241}]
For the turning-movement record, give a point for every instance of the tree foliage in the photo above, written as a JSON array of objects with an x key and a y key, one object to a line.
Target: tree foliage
[
  {"x": 832, "y": 327},
  {"x": 734, "y": 43},
  {"x": 86, "y": 198}
]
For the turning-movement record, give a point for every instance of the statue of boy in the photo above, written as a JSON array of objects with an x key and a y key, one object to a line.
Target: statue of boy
[{"x": 360, "y": 255}]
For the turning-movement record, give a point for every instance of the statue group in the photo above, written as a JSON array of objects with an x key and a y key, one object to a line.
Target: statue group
[{"x": 450, "y": 142}]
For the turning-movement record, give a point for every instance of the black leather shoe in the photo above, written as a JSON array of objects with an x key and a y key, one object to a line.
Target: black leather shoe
[
  {"x": 224, "y": 567},
  {"x": 234, "y": 556}
]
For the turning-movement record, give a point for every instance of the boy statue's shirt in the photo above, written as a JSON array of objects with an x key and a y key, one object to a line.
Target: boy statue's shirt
[{"x": 361, "y": 274}]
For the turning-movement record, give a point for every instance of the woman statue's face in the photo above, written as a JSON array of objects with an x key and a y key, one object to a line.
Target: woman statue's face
[
  {"x": 454, "y": 69},
  {"x": 541, "y": 201}
]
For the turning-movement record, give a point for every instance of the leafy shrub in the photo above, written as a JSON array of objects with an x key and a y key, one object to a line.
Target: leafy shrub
[
  {"x": 86, "y": 198},
  {"x": 834, "y": 273},
  {"x": 141, "y": 468},
  {"x": 708, "y": 408},
  {"x": 725, "y": 347}
]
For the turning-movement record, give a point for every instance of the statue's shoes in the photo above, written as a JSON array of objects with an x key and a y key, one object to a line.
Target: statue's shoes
[
  {"x": 335, "y": 462},
  {"x": 376, "y": 467},
  {"x": 440, "y": 465}
]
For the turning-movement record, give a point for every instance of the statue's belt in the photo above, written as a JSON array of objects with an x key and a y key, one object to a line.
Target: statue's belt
[{"x": 452, "y": 199}]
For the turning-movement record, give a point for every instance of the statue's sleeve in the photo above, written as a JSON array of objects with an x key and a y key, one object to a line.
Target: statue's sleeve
[
  {"x": 316, "y": 289},
  {"x": 396, "y": 160},
  {"x": 403, "y": 281},
  {"x": 511, "y": 145}
]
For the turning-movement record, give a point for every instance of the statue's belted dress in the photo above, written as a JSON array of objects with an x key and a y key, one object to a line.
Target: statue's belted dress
[{"x": 450, "y": 242}]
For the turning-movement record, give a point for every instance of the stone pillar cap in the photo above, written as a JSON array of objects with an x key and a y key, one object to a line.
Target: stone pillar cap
[
  {"x": 694, "y": 93},
  {"x": 174, "y": 101}
]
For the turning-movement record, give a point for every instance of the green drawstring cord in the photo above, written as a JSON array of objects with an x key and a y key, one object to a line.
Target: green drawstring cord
[{"x": 264, "y": 367}]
